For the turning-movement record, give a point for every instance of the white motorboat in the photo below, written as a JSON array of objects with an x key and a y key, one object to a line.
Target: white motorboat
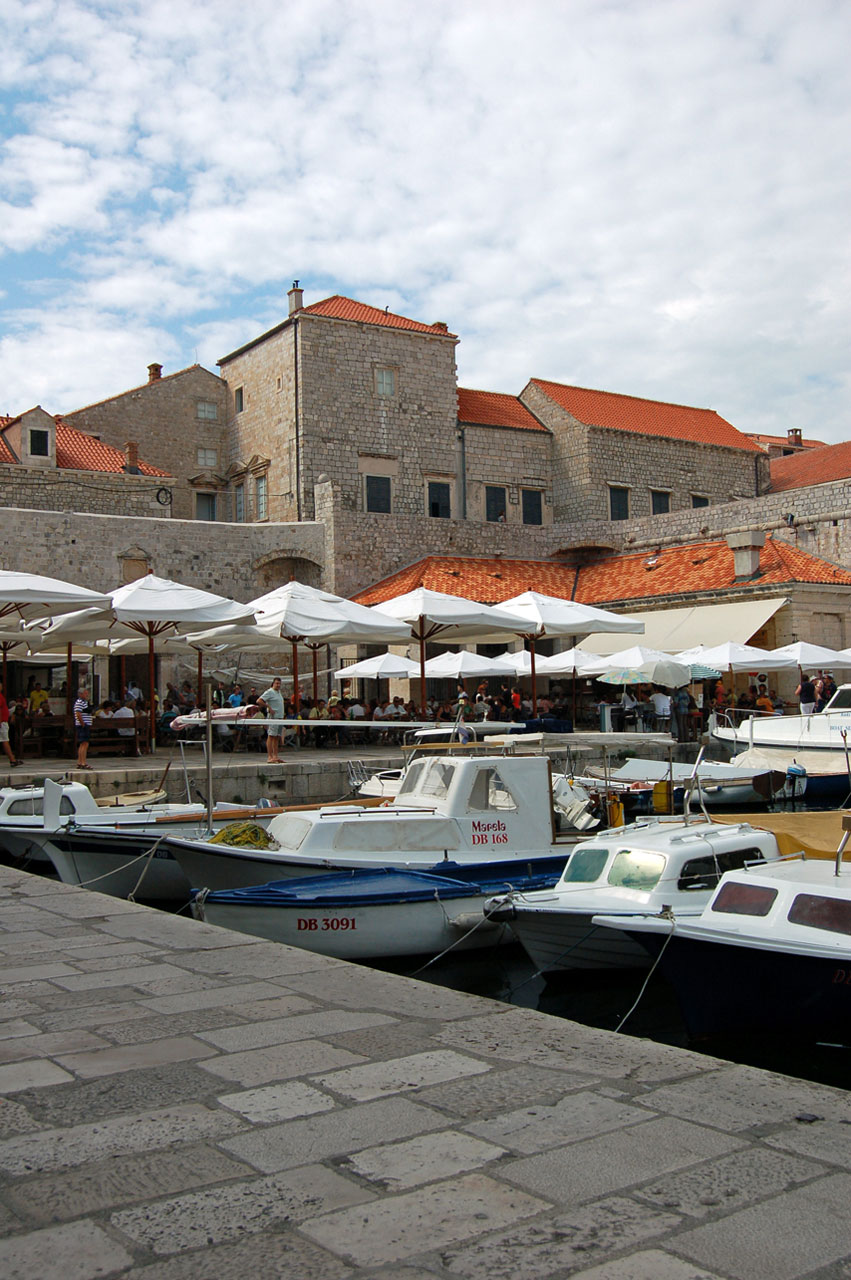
[
  {"x": 670, "y": 863},
  {"x": 823, "y": 731},
  {"x": 769, "y": 954},
  {"x": 494, "y": 811},
  {"x": 107, "y": 846},
  {"x": 361, "y": 915}
]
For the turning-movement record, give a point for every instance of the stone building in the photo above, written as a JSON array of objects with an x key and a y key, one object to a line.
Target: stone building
[{"x": 180, "y": 420}]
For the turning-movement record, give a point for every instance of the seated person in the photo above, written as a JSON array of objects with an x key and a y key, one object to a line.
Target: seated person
[
  {"x": 763, "y": 702},
  {"x": 38, "y": 698},
  {"x": 105, "y": 710},
  {"x": 126, "y": 711}
]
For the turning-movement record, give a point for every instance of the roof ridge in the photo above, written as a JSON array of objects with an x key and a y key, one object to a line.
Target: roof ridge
[
  {"x": 626, "y": 395},
  {"x": 141, "y": 387}
]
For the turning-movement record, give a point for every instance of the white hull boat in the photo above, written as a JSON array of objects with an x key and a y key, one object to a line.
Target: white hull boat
[
  {"x": 667, "y": 864},
  {"x": 364, "y": 915},
  {"x": 824, "y": 731},
  {"x": 450, "y": 811}
]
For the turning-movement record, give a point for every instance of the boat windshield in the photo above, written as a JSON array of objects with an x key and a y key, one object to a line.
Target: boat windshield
[
  {"x": 35, "y": 805},
  {"x": 584, "y": 866},
  {"x": 636, "y": 869},
  {"x": 437, "y": 779},
  {"x": 831, "y": 914},
  {"x": 488, "y": 792},
  {"x": 411, "y": 779},
  {"x": 841, "y": 700}
]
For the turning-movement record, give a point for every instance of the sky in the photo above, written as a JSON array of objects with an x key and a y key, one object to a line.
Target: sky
[{"x": 644, "y": 196}]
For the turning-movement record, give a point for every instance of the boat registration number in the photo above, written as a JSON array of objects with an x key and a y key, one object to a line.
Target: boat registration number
[{"x": 314, "y": 924}]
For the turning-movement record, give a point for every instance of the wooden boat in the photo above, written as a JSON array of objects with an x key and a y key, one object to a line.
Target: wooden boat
[{"x": 361, "y": 915}]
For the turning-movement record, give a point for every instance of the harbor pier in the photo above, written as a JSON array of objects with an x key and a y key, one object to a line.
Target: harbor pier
[{"x": 181, "y": 1102}]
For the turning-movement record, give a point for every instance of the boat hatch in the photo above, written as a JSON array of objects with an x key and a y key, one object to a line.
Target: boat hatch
[
  {"x": 290, "y": 830},
  {"x": 706, "y": 871}
]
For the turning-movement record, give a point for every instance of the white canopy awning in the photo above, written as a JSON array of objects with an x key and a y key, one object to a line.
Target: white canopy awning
[{"x": 673, "y": 630}]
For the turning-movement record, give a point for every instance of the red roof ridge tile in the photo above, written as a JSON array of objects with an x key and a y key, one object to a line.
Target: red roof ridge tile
[
  {"x": 624, "y": 395},
  {"x": 365, "y": 313}
]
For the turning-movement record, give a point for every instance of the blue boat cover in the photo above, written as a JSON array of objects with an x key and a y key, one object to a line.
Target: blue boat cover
[{"x": 361, "y": 887}]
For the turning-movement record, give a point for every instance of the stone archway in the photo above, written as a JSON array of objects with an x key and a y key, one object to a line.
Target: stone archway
[{"x": 278, "y": 567}]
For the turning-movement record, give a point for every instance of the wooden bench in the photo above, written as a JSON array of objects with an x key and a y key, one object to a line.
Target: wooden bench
[{"x": 118, "y": 737}]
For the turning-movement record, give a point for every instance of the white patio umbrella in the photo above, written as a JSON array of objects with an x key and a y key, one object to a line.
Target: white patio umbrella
[
  {"x": 152, "y": 608},
  {"x": 812, "y": 655},
  {"x": 461, "y": 664},
  {"x": 520, "y": 662},
  {"x": 387, "y": 666},
  {"x": 637, "y": 665},
  {"x": 25, "y": 597},
  {"x": 570, "y": 662},
  {"x": 553, "y": 616},
  {"x": 309, "y": 616},
  {"x": 433, "y": 614},
  {"x": 732, "y": 657}
]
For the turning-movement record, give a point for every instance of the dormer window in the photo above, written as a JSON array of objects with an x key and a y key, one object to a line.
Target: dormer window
[{"x": 39, "y": 444}]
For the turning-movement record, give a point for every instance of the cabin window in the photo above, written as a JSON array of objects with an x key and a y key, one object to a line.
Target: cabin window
[
  {"x": 831, "y": 914},
  {"x": 28, "y": 808},
  {"x": 704, "y": 873},
  {"x": 411, "y": 778},
  {"x": 584, "y": 866},
  {"x": 636, "y": 869},
  {"x": 737, "y": 899},
  {"x": 489, "y": 792},
  {"x": 841, "y": 700},
  {"x": 437, "y": 781}
]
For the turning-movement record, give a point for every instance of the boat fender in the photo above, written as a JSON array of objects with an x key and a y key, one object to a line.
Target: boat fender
[
  {"x": 500, "y": 910},
  {"x": 469, "y": 920}
]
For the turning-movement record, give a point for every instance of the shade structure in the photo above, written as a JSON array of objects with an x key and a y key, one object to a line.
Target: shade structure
[
  {"x": 386, "y": 666},
  {"x": 553, "y": 616},
  {"x": 520, "y": 662},
  {"x": 309, "y": 616},
  {"x": 812, "y": 655},
  {"x": 461, "y": 664},
  {"x": 570, "y": 662},
  {"x": 25, "y": 597},
  {"x": 638, "y": 665},
  {"x": 433, "y": 614},
  {"x": 152, "y": 608},
  {"x": 734, "y": 657}
]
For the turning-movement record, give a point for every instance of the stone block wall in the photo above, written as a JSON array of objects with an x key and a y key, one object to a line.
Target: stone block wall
[
  {"x": 512, "y": 459},
  {"x": 94, "y": 492},
  {"x": 162, "y": 417}
]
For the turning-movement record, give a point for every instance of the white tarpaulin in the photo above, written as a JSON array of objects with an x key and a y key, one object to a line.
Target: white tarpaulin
[{"x": 673, "y": 630}]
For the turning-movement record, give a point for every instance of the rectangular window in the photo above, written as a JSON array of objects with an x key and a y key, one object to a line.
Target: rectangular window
[
  {"x": 495, "y": 503},
  {"x": 660, "y": 502},
  {"x": 532, "y": 510},
  {"x": 208, "y": 411},
  {"x": 205, "y": 506},
  {"x": 618, "y": 503},
  {"x": 385, "y": 382},
  {"x": 239, "y": 503},
  {"x": 238, "y": 400},
  {"x": 699, "y": 500},
  {"x": 261, "y": 495},
  {"x": 208, "y": 457},
  {"x": 377, "y": 493},
  {"x": 439, "y": 499},
  {"x": 40, "y": 444}
]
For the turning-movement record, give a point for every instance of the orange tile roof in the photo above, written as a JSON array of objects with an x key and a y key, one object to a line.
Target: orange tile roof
[
  {"x": 784, "y": 441},
  {"x": 674, "y": 571},
  {"x": 340, "y": 308},
  {"x": 815, "y": 466},
  {"x": 648, "y": 417},
  {"x": 495, "y": 409},
  {"x": 75, "y": 449}
]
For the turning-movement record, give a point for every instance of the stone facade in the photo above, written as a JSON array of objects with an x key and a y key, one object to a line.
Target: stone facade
[
  {"x": 92, "y": 492},
  {"x": 587, "y": 460},
  {"x": 179, "y": 423}
]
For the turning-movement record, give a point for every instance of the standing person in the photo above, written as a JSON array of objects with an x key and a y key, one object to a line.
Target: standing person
[
  {"x": 4, "y": 727},
  {"x": 235, "y": 698},
  {"x": 271, "y": 703},
  {"x": 83, "y": 726},
  {"x": 680, "y": 703},
  {"x": 806, "y": 693}
]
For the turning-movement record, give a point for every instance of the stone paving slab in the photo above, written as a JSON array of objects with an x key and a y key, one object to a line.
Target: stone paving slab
[{"x": 178, "y": 1102}]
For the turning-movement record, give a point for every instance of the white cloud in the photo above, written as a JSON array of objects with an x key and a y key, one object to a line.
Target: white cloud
[{"x": 639, "y": 195}]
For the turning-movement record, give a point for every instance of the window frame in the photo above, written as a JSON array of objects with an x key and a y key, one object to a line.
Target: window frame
[
  {"x": 382, "y": 375},
  {"x": 699, "y": 500},
  {"x": 205, "y": 460},
  {"x": 239, "y": 399},
  {"x": 209, "y": 495},
  {"x": 490, "y": 490},
  {"x": 439, "y": 484},
  {"x": 201, "y": 405},
  {"x": 532, "y": 493},
  {"x": 239, "y": 503},
  {"x": 620, "y": 490},
  {"x": 656, "y": 498},
  {"x": 371, "y": 482},
  {"x": 44, "y": 436},
  {"x": 261, "y": 497}
]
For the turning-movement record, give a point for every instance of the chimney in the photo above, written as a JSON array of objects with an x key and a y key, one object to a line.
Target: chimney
[
  {"x": 131, "y": 452},
  {"x": 155, "y": 372},
  {"x": 746, "y": 547},
  {"x": 794, "y": 438},
  {"x": 441, "y": 325},
  {"x": 296, "y": 297}
]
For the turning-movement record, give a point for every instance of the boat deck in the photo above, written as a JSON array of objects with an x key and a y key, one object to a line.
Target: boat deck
[{"x": 182, "y": 1101}]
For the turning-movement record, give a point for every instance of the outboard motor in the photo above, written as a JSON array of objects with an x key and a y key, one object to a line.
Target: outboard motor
[{"x": 796, "y": 780}]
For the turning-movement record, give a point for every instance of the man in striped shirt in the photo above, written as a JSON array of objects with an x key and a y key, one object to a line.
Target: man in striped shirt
[{"x": 83, "y": 725}]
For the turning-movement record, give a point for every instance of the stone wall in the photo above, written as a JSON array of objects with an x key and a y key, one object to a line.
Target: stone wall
[
  {"x": 162, "y": 417},
  {"x": 512, "y": 459},
  {"x": 94, "y": 492},
  {"x": 240, "y": 561}
]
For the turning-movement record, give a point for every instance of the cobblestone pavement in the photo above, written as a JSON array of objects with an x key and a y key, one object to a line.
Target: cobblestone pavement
[{"x": 180, "y": 1102}]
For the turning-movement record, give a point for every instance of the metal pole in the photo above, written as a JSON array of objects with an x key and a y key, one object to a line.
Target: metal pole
[{"x": 209, "y": 755}]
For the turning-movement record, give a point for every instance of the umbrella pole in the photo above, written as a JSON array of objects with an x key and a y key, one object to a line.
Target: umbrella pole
[
  {"x": 5, "y": 672},
  {"x": 422, "y": 670},
  {"x": 296, "y": 698},
  {"x": 69, "y": 719},
  {"x": 534, "y": 681},
  {"x": 315, "y": 655},
  {"x": 152, "y": 713},
  {"x": 200, "y": 676}
]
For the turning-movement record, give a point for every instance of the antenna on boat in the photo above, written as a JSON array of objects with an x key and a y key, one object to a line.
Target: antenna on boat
[{"x": 694, "y": 781}]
